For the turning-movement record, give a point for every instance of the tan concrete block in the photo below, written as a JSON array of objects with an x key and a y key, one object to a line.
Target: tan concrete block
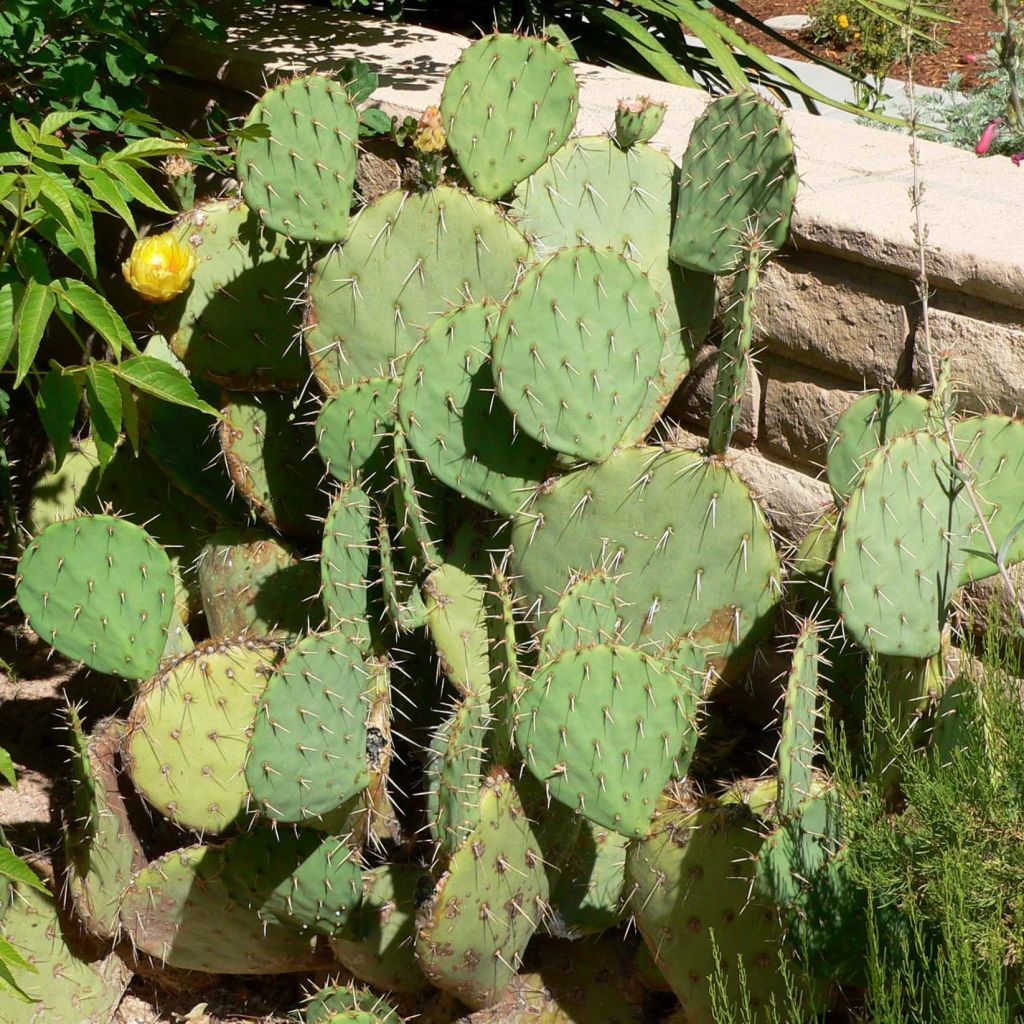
[
  {"x": 986, "y": 343},
  {"x": 691, "y": 404},
  {"x": 836, "y": 315},
  {"x": 792, "y": 500},
  {"x": 800, "y": 408}
]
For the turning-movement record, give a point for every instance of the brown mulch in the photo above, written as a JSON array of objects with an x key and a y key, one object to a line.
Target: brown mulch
[{"x": 971, "y": 34}]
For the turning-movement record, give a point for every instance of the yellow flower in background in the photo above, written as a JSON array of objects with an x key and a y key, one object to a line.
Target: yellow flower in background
[
  {"x": 160, "y": 266},
  {"x": 842, "y": 21}
]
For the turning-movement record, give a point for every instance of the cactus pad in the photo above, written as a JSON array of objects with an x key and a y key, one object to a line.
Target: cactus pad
[
  {"x": 586, "y": 614},
  {"x": 271, "y": 457},
  {"x": 179, "y": 910},
  {"x": 576, "y": 349},
  {"x": 348, "y": 593},
  {"x": 100, "y": 591},
  {"x": 993, "y": 447},
  {"x": 689, "y": 547},
  {"x": 737, "y": 176},
  {"x": 689, "y": 882},
  {"x": 101, "y": 847},
  {"x": 301, "y": 879},
  {"x": 251, "y": 583},
  {"x": 452, "y": 419},
  {"x": 65, "y": 989},
  {"x": 353, "y": 430},
  {"x": 898, "y": 555},
  {"x": 308, "y": 752},
  {"x": 472, "y": 934},
  {"x": 457, "y": 620},
  {"x": 604, "y": 728},
  {"x": 235, "y": 325},
  {"x": 799, "y": 722},
  {"x": 865, "y": 425},
  {"x": 377, "y": 942},
  {"x": 508, "y": 103},
  {"x": 189, "y": 728},
  {"x": 408, "y": 259},
  {"x": 300, "y": 178}
]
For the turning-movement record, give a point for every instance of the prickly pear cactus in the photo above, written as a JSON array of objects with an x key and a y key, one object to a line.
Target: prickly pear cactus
[
  {"x": 102, "y": 848},
  {"x": 473, "y": 931},
  {"x": 99, "y": 590},
  {"x": 466, "y": 438},
  {"x": 179, "y": 910},
  {"x": 598, "y": 318},
  {"x": 299, "y": 177},
  {"x": 307, "y": 753},
  {"x": 407, "y": 259},
  {"x": 188, "y": 732},
  {"x": 738, "y": 176},
  {"x": 637, "y": 515},
  {"x": 508, "y": 103},
  {"x": 604, "y": 728}
]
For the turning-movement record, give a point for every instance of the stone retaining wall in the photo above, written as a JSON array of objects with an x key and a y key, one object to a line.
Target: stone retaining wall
[{"x": 838, "y": 311}]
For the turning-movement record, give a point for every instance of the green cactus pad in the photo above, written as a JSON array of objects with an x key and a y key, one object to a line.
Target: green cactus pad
[
  {"x": 589, "y": 897},
  {"x": 270, "y": 453},
  {"x": 377, "y": 944},
  {"x": 802, "y": 868},
  {"x": 300, "y": 879},
  {"x": 637, "y": 121},
  {"x": 236, "y": 325},
  {"x": 349, "y": 539},
  {"x": 508, "y": 103},
  {"x": 308, "y": 752},
  {"x": 419, "y": 503},
  {"x": 898, "y": 555},
  {"x": 738, "y": 176},
  {"x": 689, "y": 547},
  {"x": 179, "y": 910},
  {"x": 402, "y": 598},
  {"x": 865, "y": 425},
  {"x": 993, "y": 447},
  {"x": 408, "y": 258},
  {"x": 604, "y": 728},
  {"x": 334, "y": 999},
  {"x": 734, "y": 359},
  {"x": 102, "y": 850},
  {"x": 472, "y": 933},
  {"x": 586, "y": 614},
  {"x": 457, "y": 621},
  {"x": 353, "y": 430},
  {"x": 592, "y": 192},
  {"x": 300, "y": 178},
  {"x": 453, "y": 421},
  {"x": 454, "y": 772},
  {"x": 689, "y": 882},
  {"x": 189, "y": 729},
  {"x": 576, "y": 349},
  {"x": 100, "y": 591},
  {"x": 251, "y": 583},
  {"x": 64, "y": 988},
  {"x": 799, "y": 721}
]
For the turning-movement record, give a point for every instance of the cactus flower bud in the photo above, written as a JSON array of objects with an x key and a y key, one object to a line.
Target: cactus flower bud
[
  {"x": 988, "y": 136},
  {"x": 160, "y": 267}
]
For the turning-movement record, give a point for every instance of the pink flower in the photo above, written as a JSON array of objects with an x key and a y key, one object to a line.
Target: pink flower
[
  {"x": 988, "y": 136},
  {"x": 1018, "y": 159}
]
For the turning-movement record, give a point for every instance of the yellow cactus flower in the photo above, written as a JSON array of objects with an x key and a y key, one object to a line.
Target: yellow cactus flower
[
  {"x": 431, "y": 137},
  {"x": 842, "y": 21},
  {"x": 160, "y": 267}
]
